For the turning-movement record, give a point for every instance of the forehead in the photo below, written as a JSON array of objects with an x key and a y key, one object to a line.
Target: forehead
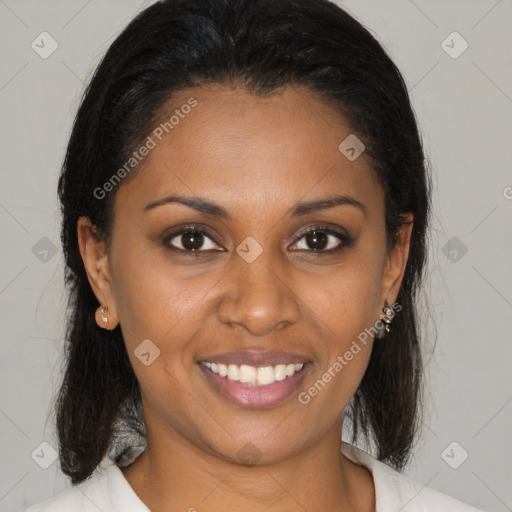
[{"x": 261, "y": 150}]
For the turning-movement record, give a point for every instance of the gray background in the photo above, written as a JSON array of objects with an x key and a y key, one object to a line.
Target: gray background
[{"x": 464, "y": 107}]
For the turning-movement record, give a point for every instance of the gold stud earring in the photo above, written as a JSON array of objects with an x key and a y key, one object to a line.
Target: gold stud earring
[{"x": 104, "y": 319}]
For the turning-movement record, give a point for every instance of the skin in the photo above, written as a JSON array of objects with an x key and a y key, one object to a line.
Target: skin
[{"x": 256, "y": 157}]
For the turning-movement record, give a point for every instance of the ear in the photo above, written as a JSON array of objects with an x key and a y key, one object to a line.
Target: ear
[
  {"x": 396, "y": 261},
  {"x": 96, "y": 263}
]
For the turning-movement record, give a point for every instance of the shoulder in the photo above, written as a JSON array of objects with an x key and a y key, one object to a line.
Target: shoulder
[
  {"x": 395, "y": 491},
  {"x": 89, "y": 495},
  {"x": 107, "y": 491}
]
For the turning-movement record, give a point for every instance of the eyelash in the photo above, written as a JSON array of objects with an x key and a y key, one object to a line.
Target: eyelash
[{"x": 345, "y": 240}]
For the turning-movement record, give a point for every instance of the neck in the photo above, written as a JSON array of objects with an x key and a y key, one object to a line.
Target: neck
[{"x": 174, "y": 474}]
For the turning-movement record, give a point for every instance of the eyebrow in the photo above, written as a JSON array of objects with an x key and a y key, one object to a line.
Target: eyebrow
[{"x": 299, "y": 209}]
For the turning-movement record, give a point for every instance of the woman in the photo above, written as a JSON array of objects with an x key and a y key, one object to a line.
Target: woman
[{"x": 245, "y": 206}]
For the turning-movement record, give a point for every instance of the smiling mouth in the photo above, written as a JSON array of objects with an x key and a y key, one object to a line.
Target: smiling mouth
[
  {"x": 255, "y": 386},
  {"x": 254, "y": 375}
]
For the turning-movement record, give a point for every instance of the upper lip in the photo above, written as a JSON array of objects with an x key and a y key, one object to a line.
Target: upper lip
[{"x": 256, "y": 358}]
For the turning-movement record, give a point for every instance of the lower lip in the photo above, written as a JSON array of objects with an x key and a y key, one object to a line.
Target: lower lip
[{"x": 255, "y": 396}]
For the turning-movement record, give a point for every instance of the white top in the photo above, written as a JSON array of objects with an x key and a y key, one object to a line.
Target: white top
[{"x": 109, "y": 491}]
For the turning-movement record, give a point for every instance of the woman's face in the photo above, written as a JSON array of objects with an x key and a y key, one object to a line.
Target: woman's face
[{"x": 257, "y": 290}]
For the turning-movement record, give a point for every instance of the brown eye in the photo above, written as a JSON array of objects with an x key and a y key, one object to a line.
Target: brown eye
[
  {"x": 323, "y": 240},
  {"x": 191, "y": 240},
  {"x": 317, "y": 240}
]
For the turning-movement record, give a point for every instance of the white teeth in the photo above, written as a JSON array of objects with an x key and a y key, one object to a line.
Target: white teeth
[
  {"x": 233, "y": 372},
  {"x": 265, "y": 375},
  {"x": 223, "y": 369},
  {"x": 252, "y": 375},
  {"x": 247, "y": 374},
  {"x": 280, "y": 372}
]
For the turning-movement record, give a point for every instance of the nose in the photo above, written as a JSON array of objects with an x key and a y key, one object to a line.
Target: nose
[{"x": 259, "y": 297}]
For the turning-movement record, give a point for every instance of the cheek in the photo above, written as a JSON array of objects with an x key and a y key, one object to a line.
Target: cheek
[
  {"x": 153, "y": 298},
  {"x": 344, "y": 310},
  {"x": 347, "y": 300}
]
